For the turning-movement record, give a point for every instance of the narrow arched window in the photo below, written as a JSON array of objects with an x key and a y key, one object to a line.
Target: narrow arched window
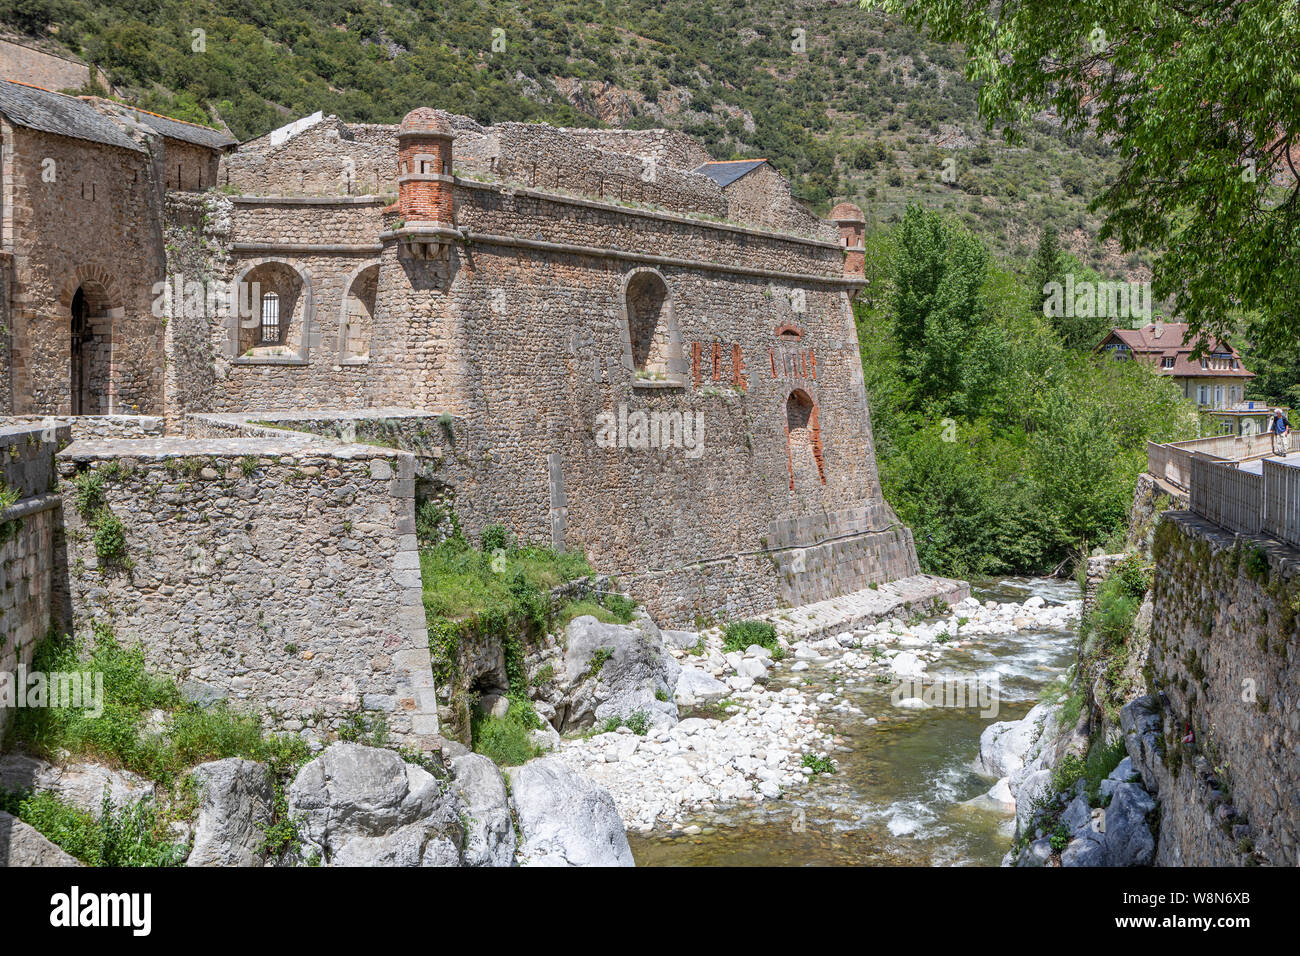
[{"x": 271, "y": 318}]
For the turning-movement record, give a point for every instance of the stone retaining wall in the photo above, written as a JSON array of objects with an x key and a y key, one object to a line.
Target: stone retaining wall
[
  {"x": 269, "y": 572},
  {"x": 31, "y": 574},
  {"x": 1226, "y": 661}
]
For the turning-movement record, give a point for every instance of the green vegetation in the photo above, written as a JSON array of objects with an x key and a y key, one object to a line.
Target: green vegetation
[
  {"x": 868, "y": 108},
  {"x": 191, "y": 734},
  {"x": 1215, "y": 196},
  {"x": 108, "y": 534},
  {"x": 818, "y": 764},
  {"x": 1003, "y": 449},
  {"x": 505, "y": 739},
  {"x": 501, "y": 594},
  {"x": 133, "y": 834},
  {"x": 638, "y": 722},
  {"x": 739, "y": 635}
]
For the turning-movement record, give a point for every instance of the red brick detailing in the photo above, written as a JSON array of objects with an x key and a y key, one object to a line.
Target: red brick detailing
[
  {"x": 788, "y": 328},
  {"x": 771, "y": 354},
  {"x": 717, "y": 361},
  {"x": 738, "y": 367},
  {"x": 696, "y": 349},
  {"x": 816, "y": 431},
  {"x": 424, "y": 200},
  {"x": 813, "y": 357}
]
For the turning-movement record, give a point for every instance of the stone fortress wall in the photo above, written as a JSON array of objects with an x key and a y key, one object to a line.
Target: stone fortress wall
[
  {"x": 498, "y": 358},
  {"x": 31, "y": 593},
  {"x": 271, "y": 571}
]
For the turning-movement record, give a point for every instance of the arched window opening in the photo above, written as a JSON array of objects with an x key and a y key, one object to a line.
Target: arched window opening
[
  {"x": 803, "y": 439},
  {"x": 648, "y": 325}
]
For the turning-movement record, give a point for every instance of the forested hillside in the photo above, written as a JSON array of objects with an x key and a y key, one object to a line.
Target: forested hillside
[{"x": 849, "y": 103}]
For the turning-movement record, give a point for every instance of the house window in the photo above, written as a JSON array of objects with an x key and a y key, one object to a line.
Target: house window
[
  {"x": 1218, "y": 396},
  {"x": 271, "y": 318},
  {"x": 1167, "y": 362},
  {"x": 1202, "y": 394}
]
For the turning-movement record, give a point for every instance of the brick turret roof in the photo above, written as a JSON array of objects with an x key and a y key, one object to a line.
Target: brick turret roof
[{"x": 425, "y": 120}]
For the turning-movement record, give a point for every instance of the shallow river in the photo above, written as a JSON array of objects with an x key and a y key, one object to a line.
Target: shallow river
[{"x": 896, "y": 797}]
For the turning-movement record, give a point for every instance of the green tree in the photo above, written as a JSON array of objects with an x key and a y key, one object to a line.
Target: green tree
[
  {"x": 1046, "y": 268},
  {"x": 1201, "y": 100}
]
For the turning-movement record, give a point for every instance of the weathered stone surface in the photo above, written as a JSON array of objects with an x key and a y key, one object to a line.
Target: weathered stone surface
[
  {"x": 22, "y": 845},
  {"x": 490, "y": 829},
  {"x": 696, "y": 687},
  {"x": 81, "y": 784},
  {"x": 236, "y": 804},
  {"x": 1003, "y": 744},
  {"x": 1128, "y": 834},
  {"x": 364, "y": 806},
  {"x": 565, "y": 819},
  {"x": 636, "y": 670}
]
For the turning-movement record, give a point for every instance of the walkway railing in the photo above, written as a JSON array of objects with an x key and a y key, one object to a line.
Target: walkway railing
[
  {"x": 1247, "y": 503},
  {"x": 1173, "y": 462}
]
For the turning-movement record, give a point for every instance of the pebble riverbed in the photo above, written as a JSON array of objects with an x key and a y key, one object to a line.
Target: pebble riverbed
[{"x": 683, "y": 778}]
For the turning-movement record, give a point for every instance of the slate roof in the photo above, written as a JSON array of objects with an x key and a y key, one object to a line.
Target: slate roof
[
  {"x": 1156, "y": 342},
  {"x": 724, "y": 172},
  {"x": 40, "y": 109},
  {"x": 185, "y": 132}
]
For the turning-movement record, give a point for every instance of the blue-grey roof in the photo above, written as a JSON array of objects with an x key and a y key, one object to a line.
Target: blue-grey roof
[
  {"x": 185, "y": 132},
  {"x": 36, "y": 108},
  {"x": 726, "y": 172}
]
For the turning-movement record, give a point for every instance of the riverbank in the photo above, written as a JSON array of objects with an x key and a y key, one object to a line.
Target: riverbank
[{"x": 822, "y": 700}]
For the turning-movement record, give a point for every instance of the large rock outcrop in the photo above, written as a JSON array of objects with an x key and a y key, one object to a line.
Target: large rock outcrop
[
  {"x": 364, "y": 806},
  {"x": 236, "y": 805},
  {"x": 565, "y": 819},
  {"x": 614, "y": 671},
  {"x": 23, "y": 845}
]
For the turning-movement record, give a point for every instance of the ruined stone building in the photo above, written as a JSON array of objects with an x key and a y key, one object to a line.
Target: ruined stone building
[{"x": 600, "y": 339}]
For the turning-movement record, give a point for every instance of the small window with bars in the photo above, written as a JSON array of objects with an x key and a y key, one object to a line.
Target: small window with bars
[{"x": 271, "y": 318}]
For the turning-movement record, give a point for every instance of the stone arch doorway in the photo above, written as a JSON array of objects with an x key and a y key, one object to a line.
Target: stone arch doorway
[
  {"x": 803, "y": 438},
  {"x": 90, "y": 349}
]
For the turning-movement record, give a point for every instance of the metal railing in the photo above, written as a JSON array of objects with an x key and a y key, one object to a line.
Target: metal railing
[
  {"x": 1246, "y": 503},
  {"x": 1173, "y": 462}
]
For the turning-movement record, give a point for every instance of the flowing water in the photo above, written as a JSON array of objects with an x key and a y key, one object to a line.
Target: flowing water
[{"x": 897, "y": 796}]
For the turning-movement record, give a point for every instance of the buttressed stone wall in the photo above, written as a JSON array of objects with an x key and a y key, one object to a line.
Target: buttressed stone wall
[{"x": 581, "y": 282}]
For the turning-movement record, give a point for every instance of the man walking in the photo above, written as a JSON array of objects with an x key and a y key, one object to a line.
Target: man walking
[{"x": 1281, "y": 430}]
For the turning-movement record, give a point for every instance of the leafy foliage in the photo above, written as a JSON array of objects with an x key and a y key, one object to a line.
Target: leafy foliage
[
  {"x": 1199, "y": 99},
  {"x": 1001, "y": 447}
]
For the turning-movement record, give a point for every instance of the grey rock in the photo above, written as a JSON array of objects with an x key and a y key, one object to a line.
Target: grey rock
[
  {"x": 80, "y": 784},
  {"x": 1078, "y": 816},
  {"x": 1037, "y": 784},
  {"x": 1003, "y": 744},
  {"x": 1142, "y": 723},
  {"x": 682, "y": 639},
  {"x": 1036, "y": 854},
  {"x": 565, "y": 819},
  {"x": 1128, "y": 835},
  {"x": 23, "y": 845},
  {"x": 1088, "y": 850},
  {"x": 696, "y": 687},
  {"x": 364, "y": 806},
  {"x": 490, "y": 832},
  {"x": 637, "y": 671},
  {"x": 237, "y": 801}
]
